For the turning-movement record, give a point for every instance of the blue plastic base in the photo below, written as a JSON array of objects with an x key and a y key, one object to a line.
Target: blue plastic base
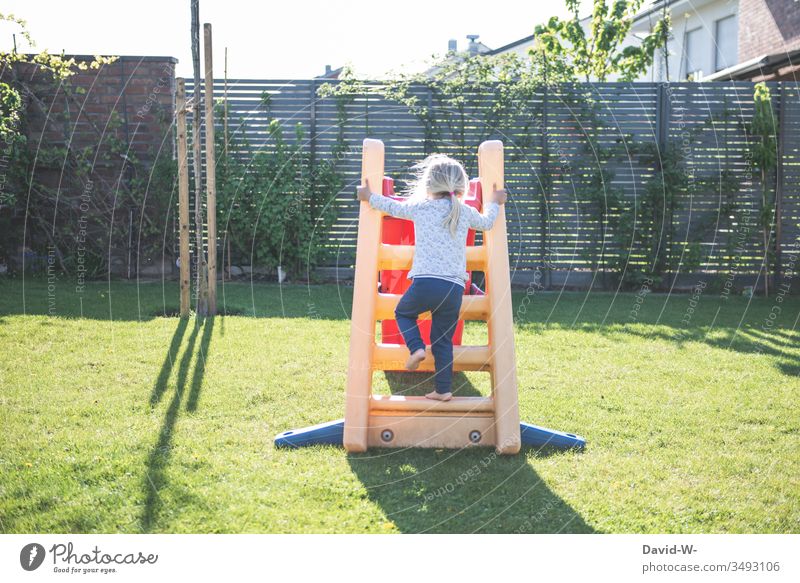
[
  {"x": 330, "y": 433},
  {"x": 543, "y": 437}
]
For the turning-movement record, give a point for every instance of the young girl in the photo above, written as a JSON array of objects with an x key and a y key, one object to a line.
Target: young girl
[{"x": 438, "y": 273}]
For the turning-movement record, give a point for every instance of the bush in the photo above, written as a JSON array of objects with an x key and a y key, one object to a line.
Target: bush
[{"x": 273, "y": 208}]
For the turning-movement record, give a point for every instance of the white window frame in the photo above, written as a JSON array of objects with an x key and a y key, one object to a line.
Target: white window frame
[
  {"x": 717, "y": 65},
  {"x": 685, "y": 57}
]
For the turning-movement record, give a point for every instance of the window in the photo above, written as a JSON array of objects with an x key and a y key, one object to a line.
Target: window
[
  {"x": 692, "y": 54},
  {"x": 725, "y": 39}
]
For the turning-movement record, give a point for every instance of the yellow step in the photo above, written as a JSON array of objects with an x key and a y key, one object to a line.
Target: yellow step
[
  {"x": 472, "y": 307},
  {"x": 394, "y": 356},
  {"x": 423, "y": 405},
  {"x": 401, "y": 256}
]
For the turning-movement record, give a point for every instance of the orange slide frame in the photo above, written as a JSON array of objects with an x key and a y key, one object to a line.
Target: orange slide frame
[
  {"x": 377, "y": 421},
  {"x": 400, "y": 421}
]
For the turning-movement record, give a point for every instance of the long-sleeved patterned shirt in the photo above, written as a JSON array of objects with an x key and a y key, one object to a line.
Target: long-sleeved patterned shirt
[{"x": 438, "y": 253}]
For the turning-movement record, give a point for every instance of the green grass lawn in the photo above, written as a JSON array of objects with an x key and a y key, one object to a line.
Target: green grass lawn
[{"x": 114, "y": 418}]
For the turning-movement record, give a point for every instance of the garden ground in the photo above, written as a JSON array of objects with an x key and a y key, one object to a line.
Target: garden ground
[{"x": 116, "y": 418}]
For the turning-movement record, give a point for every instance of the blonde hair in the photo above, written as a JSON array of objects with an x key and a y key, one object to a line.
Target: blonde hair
[{"x": 443, "y": 177}]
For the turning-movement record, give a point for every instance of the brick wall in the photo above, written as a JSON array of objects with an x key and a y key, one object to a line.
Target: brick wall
[
  {"x": 768, "y": 27},
  {"x": 138, "y": 91},
  {"x": 120, "y": 117}
]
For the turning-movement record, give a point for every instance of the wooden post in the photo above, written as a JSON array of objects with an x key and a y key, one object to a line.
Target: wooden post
[
  {"x": 211, "y": 174},
  {"x": 183, "y": 194},
  {"x": 501, "y": 317},
  {"x": 201, "y": 287},
  {"x": 365, "y": 292}
]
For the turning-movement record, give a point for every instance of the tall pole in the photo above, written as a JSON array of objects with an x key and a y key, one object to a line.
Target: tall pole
[
  {"x": 183, "y": 195},
  {"x": 202, "y": 270},
  {"x": 211, "y": 173}
]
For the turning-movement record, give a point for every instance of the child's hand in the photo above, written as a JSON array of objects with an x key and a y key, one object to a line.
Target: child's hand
[
  {"x": 499, "y": 196},
  {"x": 363, "y": 192}
]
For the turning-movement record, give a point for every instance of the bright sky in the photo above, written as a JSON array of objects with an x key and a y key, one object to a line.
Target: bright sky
[{"x": 277, "y": 38}]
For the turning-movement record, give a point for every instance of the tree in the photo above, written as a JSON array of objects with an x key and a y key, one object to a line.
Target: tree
[
  {"x": 597, "y": 52},
  {"x": 201, "y": 266},
  {"x": 762, "y": 135}
]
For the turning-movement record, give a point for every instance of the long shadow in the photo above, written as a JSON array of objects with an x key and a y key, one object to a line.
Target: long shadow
[
  {"x": 169, "y": 362},
  {"x": 745, "y": 341},
  {"x": 419, "y": 383},
  {"x": 123, "y": 301},
  {"x": 750, "y": 341},
  {"x": 155, "y": 478},
  {"x": 472, "y": 490},
  {"x": 466, "y": 491},
  {"x": 200, "y": 365}
]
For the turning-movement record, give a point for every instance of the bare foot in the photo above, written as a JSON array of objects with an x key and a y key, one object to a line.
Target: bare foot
[
  {"x": 413, "y": 361},
  {"x": 439, "y": 396}
]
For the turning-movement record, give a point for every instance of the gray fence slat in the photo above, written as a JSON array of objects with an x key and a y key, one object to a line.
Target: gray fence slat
[{"x": 557, "y": 227}]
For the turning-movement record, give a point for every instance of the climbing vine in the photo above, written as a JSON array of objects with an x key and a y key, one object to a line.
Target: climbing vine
[
  {"x": 275, "y": 206},
  {"x": 762, "y": 133},
  {"x": 102, "y": 198}
]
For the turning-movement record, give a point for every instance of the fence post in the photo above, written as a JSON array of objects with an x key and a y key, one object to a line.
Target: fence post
[
  {"x": 779, "y": 184},
  {"x": 366, "y": 111},
  {"x": 312, "y": 127},
  {"x": 428, "y": 141},
  {"x": 662, "y": 132},
  {"x": 662, "y": 116},
  {"x": 545, "y": 171}
]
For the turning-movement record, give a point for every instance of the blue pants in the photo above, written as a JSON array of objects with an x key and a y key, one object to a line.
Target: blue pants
[{"x": 443, "y": 299}]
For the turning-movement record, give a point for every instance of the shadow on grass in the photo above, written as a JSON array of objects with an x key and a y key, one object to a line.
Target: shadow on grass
[
  {"x": 169, "y": 361},
  {"x": 125, "y": 301},
  {"x": 471, "y": 490},
  {"x": 419, "y": 383},
  {"x": 660, "y": 316},
  {"x": 157, "y": 462},
  {"x": 783, "y": 345},
  {"x": 465, "y": 491}
]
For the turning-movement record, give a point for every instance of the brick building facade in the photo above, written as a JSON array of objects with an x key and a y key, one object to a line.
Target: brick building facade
[{"x": 770, "y": 27}]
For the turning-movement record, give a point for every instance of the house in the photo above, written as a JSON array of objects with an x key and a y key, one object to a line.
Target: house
[
  {"x": 768, "y": 42},
  {"x": 715, "y": 40}
]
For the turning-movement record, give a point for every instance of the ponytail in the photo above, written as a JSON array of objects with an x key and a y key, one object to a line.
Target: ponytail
[{"x": 452, "y": 218}]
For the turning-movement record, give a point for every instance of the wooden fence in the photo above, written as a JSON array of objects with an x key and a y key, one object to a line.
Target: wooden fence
[{"x": 556, "y": 141}]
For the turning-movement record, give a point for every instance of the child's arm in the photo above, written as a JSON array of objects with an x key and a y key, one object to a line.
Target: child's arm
[
  {"x": 403, "y": 210},
  {"x": 484, "y": 222}
]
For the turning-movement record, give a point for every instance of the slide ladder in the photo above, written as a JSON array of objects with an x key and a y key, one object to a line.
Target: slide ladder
[
  {"x": 396, "y": 421},
  {"x": 403, "y": 421}
]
